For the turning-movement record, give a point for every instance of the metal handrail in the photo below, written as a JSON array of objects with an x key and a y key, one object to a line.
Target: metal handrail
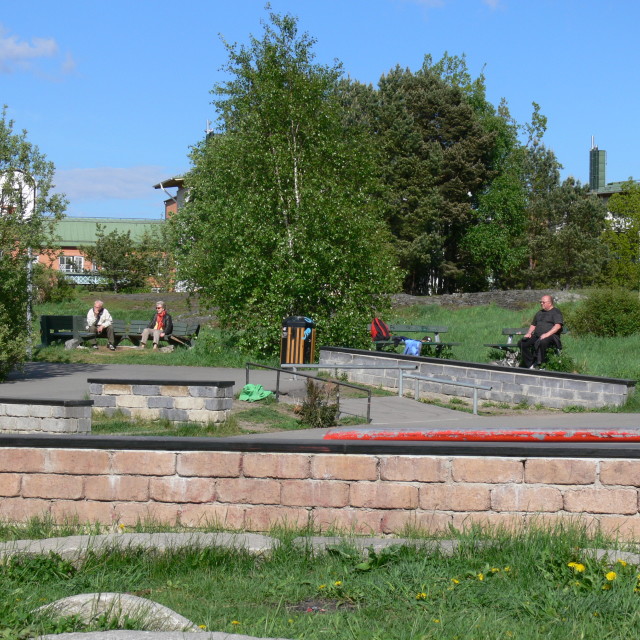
[
  {"x": 335, "y": 367},
  {"x": 278, "y": 370},
  {"x": 475, "y": 387}
]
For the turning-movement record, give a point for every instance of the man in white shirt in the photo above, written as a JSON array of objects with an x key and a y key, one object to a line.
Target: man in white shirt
[{"x": 99, "y": 322}]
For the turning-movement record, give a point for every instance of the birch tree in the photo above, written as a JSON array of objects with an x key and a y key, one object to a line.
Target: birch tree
[{"x": 283, "y": 215}]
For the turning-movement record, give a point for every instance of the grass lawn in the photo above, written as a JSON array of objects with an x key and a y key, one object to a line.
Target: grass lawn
[{"x": 523, "y": 585}]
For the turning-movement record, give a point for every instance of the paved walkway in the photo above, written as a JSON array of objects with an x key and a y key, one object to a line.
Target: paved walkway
[{"x": 69, "y": 382}]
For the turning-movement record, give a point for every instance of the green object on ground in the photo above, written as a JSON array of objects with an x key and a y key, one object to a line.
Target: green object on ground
[{"x": 254, "y": 392}]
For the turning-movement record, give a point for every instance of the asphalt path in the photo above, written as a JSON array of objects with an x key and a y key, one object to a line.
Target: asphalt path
[{"x": 61, "y": 381}]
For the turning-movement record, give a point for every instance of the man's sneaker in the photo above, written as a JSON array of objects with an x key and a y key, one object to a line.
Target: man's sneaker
[
  {"x": 111, "y": 347},
  {"x": 155, "y": 346},
  {"x": 95, "y": 346}
]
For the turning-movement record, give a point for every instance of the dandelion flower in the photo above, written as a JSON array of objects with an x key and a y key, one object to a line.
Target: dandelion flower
[
  {"x": 235, "y": 622},
  {"x": 612, "y": 575},
  {"x": 421, "y": 596},
  {"x": 202, "y": 626},
  {"x": 322, "y": 586},
  {"x": 606, "y": 587},
  {"x": 480, "y": 576},
  {"x": 576, "y": 566},
  {"x": 436, "y": 620},
  {"x": 338, "y": 583},
  {"x": 622, "y": 563},
  {"x": 495, "y": 570},
  {"x": 455, "y": 580}
]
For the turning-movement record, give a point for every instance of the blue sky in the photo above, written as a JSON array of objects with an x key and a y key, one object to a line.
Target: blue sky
[{"x": 115, "y": 93}]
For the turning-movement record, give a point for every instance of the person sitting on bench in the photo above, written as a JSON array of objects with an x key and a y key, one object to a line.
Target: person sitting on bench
[
  {"x": 161, "y": 326},
  {"x": 544, "y": 332},
  {"x": 99, "y": 322}
]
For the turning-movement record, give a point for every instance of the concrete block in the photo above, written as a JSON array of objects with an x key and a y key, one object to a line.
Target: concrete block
[
  {"x": 104, "y": 401},
  {"x": 117, "y": 389},
  {"x": 217, "y": 404},
  {"x": 95, "y": 389},
  {"x": 160, "y": 402},
  {"x": 188, "y": 403},
  {"x": 41, "y": 410},
  {"x": 206, "y": 392},
  {"x": 18, "y": 410},
  {"x": 137, "y": 402},
  {"x": 174, "y": 390},
  {"x": 175, "y": 415},
  {"x": 146, "y": 389}
]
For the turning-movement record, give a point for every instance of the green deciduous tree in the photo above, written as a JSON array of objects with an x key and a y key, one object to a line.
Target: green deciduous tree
[
  {"x": 21, "y": 236},
  {"x": 283, "y": 217},
  {"x": 126, "y": 263},
  {"x": 622, "y": 236}
]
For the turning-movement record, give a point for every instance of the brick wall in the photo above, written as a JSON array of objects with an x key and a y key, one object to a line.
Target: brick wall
[
  {"x": 362, "y": 492},
  {"x": 175, "y": 400},
  {"x": 19, "y": 415},
  {"x": 514, "y": 385}
]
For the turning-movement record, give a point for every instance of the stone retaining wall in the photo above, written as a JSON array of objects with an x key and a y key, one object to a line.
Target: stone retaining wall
[
  {"x": 177, "y": 400},
  {"x": 366, "y": 493},
  {"x": 514, "y": 385},
  {"x": 21, "y": 415}
]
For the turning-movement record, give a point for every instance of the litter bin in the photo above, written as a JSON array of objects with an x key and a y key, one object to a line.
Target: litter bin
[{"x": 298, "y": 340}]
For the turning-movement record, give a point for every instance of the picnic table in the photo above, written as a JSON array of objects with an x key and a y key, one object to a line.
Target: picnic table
[
  {"x": 510, "y": 349},
  {"x": 399, "y": 331}
]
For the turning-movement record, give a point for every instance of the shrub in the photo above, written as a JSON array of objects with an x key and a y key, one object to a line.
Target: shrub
[
  {"x": 560, "y": 362},
  {"x": 606, "y": 313},
  {"x": 319, "y": 409}
]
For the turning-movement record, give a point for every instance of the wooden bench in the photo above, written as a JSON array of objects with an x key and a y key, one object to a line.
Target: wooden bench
[
  {"x": 511, "y": 349},
  {"x": 184, "y": 333},
  {"x": 62, "y": 328},
  {"x": 435, "y": 347}
]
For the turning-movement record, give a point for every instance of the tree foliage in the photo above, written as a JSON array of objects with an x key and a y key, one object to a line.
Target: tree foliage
[
  {"x": 21, "y": 236},
  {"x": 126, "y": 263},
  {"x": 283, "y": 216},
  {"x": 622, "y": 236}
]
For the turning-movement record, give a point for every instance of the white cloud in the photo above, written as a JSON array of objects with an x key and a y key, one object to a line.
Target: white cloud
[
  {"x": 109, "y": 183},
  {"x": 17, "y": 54}
]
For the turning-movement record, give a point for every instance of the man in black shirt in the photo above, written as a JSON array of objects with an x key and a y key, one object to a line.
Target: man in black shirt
[{"x": 543, "y": 332}]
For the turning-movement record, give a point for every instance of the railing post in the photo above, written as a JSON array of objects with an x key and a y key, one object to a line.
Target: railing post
[
  {"x": 475, "y": 401},
  {"x": 278, "y": 385},
  {"x": 400, "y": 382},
  {"x": 246, "y": 380}
]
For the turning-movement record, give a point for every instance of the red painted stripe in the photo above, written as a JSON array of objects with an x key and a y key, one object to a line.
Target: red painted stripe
[{"x": 482, "y": 435}]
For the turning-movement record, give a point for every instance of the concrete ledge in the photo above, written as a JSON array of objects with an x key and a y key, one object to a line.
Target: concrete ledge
[
  {"x": 24, "y": 415},
  {"x": 178, "y": 401},
  {"x": 514, "y": 385}
]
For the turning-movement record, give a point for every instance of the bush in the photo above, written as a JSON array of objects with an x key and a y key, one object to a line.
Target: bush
[
  {"x": 606, "y": 313},
  {"x": 320, "y": 408},
  {"x": 52, "y": 286}
]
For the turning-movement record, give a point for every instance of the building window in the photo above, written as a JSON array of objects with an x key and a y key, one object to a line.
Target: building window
[{"x": 71, "y": 264}]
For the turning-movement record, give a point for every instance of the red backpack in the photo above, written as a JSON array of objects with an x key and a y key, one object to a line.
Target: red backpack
[{"x": 380, "y": 330}]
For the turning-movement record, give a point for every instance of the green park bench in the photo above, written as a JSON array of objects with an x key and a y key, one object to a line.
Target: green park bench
[
  {"x": 510, "y": 349},
  {"x": 62, "y": 328},
  {"x": 435, "y": 347}
]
